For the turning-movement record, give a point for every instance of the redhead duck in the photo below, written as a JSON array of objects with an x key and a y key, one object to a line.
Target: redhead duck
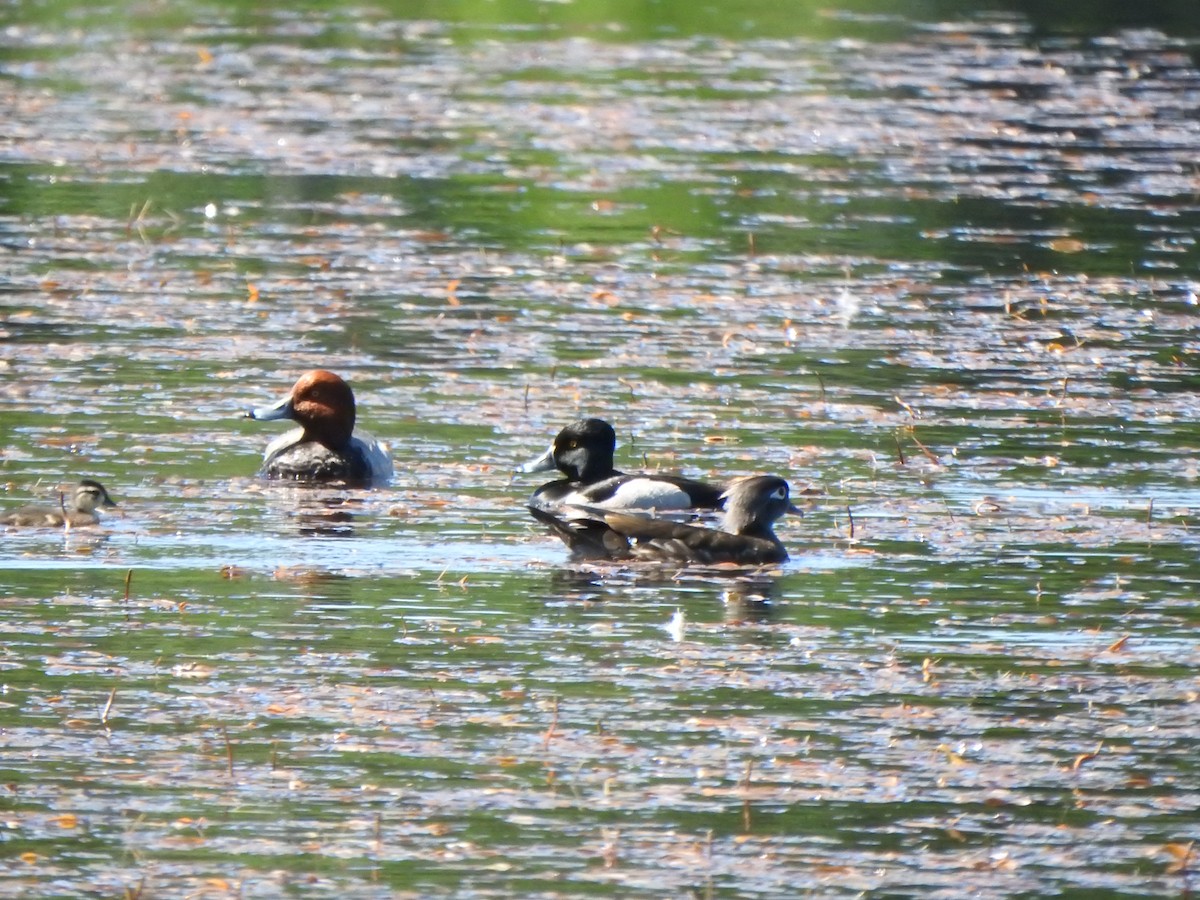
[
  {"x": 324, "y": 447},
  {"x": 747, "y": 536},
  {"x": 583, "y": 451},
  {"x": 80, "y": 512}
]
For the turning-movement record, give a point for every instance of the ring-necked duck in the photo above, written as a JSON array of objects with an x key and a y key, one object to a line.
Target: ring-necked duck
[
  {"x": 324, "y": 447},
  {"x": 81, "y": 511},
  {"x": 583, "y": 451},
  {"x": 752, "y": 505}
]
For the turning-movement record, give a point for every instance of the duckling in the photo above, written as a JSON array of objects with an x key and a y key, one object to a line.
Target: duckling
[
  {"x": 747, "y": 536},
  {"x": 583, "y": 451},
  {"x": 324, "y": 447},
  {"x": 80, "y": 512}
]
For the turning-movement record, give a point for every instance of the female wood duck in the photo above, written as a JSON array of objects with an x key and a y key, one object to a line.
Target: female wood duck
[
  {"x": 583, "y": 451},
  {"x": 324, "y": 447},
  {"x": 747, "y": 536},
  {"x": 79, "y": 512}
]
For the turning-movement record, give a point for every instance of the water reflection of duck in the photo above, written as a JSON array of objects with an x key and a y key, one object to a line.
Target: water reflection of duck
[
  {"x": 752, "y": 506},
  {"x": 80, "y": 512},
  {"x": 583, "y": 451},
  {"x": 324, "y": 447}
]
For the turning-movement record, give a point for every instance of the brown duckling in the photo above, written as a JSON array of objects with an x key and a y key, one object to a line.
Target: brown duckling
[{"x": 79, "y": 512}]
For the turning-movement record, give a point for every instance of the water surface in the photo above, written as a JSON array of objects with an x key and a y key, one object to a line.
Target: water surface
[{"x": 938, "y": 271}]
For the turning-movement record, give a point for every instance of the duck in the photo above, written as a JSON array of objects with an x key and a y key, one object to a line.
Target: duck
[
  {"x": 583, "y": 452},
  {"x": 746, "y": 537},
  {"x": 80, "y": 512},
  {"x": 324, "y": 447}
]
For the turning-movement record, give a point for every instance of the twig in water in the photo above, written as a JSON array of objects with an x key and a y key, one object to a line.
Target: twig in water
[
  {"x": 850, "y": 516},
  {"x": 928, "y": 453},
  {"x": 553, "y": 725},
  {"x": 949, "y": 508},
  {"x": 228, "y": 751},
  {"x": 108, "y": 707},
  {"x": 1150, "y": 524},
  {"x": 609, "y": 851},
  {"x": 907, "y": 407},
  {"x": 899, "y": 449}
]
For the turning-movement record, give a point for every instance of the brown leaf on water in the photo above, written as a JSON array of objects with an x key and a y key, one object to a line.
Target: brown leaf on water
[
  {"x": 1067, "y": 245},
  {"x": 66, "y": 820},
  {"x": 451, "y": 292},
  {"x": 251, "y": 293},
  {"x": 1086, "y": 757},
  {"x": 826, "y": 869},
  {"x": 1182, "y": 854},
  {"x": 953, "y": 758},
  {"x": 1117, "y": 644}
]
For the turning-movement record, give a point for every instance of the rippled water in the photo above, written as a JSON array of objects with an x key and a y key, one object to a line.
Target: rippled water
[{"x": 941, "y": 274}]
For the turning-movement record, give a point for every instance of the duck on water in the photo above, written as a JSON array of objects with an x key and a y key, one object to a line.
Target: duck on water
[
  {"x": 325, "y": 446},
  {"x": 583, "y": 452}
]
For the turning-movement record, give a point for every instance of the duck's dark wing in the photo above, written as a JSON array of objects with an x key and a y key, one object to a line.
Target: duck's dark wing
[
  {"x": 665, "y": 541},
  {"x": 553, "y": 493},
  {"x": 586, "y": 537},
  {"x": 311, "y": 461}
]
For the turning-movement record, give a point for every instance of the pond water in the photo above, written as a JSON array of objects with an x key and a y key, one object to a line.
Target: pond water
[{"x": 940, "y": 272}]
